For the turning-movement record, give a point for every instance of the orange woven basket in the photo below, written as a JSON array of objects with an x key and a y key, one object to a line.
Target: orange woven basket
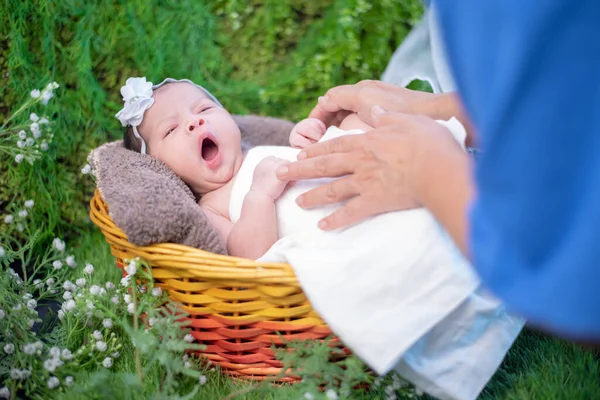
[{"x": 238, "y": 308}]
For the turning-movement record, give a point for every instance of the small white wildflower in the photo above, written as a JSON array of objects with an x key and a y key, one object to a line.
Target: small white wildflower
[
  {"x": 202, "y": 380},
  {"x": 187, "y": 364},
  {"x": 89, "y": 269},
  {"x": 23, "y": 213},
  {"x": 55, "y": 85},
  {"x": 101, "y": 346},
  {"x": 308, "y": 396},
  {"x": 34, "y": 117},
  {"x": 114, "y": 299},
  {"x": 29, "y": 203},
  {"x": 90, "y": 304},
  {"x": 130, "y": 308},
  {"x": 50, "y": 364},
  {"x": 4, "y": 393},
  {"x": 43, "y": 121},
  {"x": 68, "y": 380},
  {"x": 69, "y": 305},
  {"x": 107, "y": 362},
  {"x": 189, "y": 338},
  {"x": 127, "y": 298},
  {"x": 66, "y": 354},
  {"x": 80, "y": 282},
  {"x": 86, "y": 169},
  {"x": 70, "y": 286},
  {"x": 46, "y": 96},
  {"x": 107, "y": 323},
  {"x": 102, "y": 292},
  {"x": 131, "y": 269},
  {"x": 61, "y": 315},
  {"x": 152, "y": 321},
  {"x": 57, "y": 264},
  {"x": 8, "y": 219},
  {"x": 34, "y": 128},
  {"x": 9, "y": 348},
  {"x": 44, "y": 146},
  {"x": 20, "y": 144},
  {"x": 95, "y": 290},
  {"x": 30, "y": 323},
  {"x": 39, "y": 345},
  {"x": 27, "y": 296},
  {"x": 38, "y": 283},
  {"x": 50, "y": 281},
  {"x": 2, "y": 314},
  {"x": 15, "y": 374},
  {"x": 58, "y": 244},
  {"x": 97, "y": 335},
  {"x": 18, "y": 307},
  {"x": 125, "y": 281},
  {"x": 143, "y": 289},
  {"x": 109, "y": 286},
  {"x": 70, "y": 260},
  {"x": 2, "y": 252},
  {"x": 156, "y": 292},
  {"x": 35, "y": 93},
  {"x": 29, "y": 349},
  {"x": 29, "y": 142},
  {"x": 53, "y": 382},
  {"x": 32, "y": 304},
  {"x": 19, "y": 158},
  {"x": 20, "y": 227},
  {"x": 55, "y": 352},
  {"x": 115, "y": 354},
  {"x": 331, "y": 394}
]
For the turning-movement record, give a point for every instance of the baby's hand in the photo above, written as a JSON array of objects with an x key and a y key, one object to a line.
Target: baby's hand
[
  {"x": 265, "y": 181},
  {"x": 307, "y": 132}
]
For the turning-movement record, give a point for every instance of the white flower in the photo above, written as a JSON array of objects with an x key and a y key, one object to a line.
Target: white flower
[
  {"x": 46, "y": 96},
  {"x": 116, "y": 354},
  {"x": 109, "y": 285},
  {"x": 70, "y": 260},
  {"x": 51, "y": 364},
  {"x": 131, "y": 269},
  {"x": 35, "y": 93},
  {"x": 86, "y": 169},
  {"x": 202, "y": 380},
  {"x": 102, "y": 291},
  {"x": 44, "y": 146},
  {"x": 66, "y": 354},
  {"x": 55, "y": 85},
  {"x": 97, "y": 335},
  {"x": 29, "y": 203},
  {"x": 130, "y": 308},
  {"x": 68, "y": 380},
  {"x": 114, "y": 299},
  {"x": 50, "y": 281},
  {"x": 61, "y": 315},
  {"x": 89, "y": 269},
  {"x": 125, "y": 281},
  {"x": 34, "y": 117},
  {"x": 43, "y": 121},
  {"x": 2, "y": 314},
  {"x": 58, "y": 244},
  {"x": 80, "y": 282},
  {"x": 4, "y": 393},
  {"x": 156, "y": 292},
  {"x": 107, "y": 362},
  {"x": 15, "y": 374},
  {"x": 57, "y": 264},
  {"x": 53, "y": 382},
  {"x": 331, "y": 394},
  {"x": 22, "y": 134},
  {"x": 95, "y": 290},
  {"x": 20, "y": 144},
  {"x": 68, "y": 285},
  {"x": 29, "y": 142},
  {"x": 35, "y": 129},
  {"x": 137, "y": 95},
  {"x": 127, "y": 298},
  {"x": 31, "y": 304},
  {"x": 19, "y": 158},
  {"x": 2, "y": 252},
  {"x": 101, "y": 346},
  {"x": 107, "y": 323},
  {"x": 38, "y": 283},
  {"x": 27, "y": 296},
  {"x": 9, "y": 348},
  {"x": 8, "y": 219},
  {"x": 55, "y": 352},
  {"x": 189, "y": 338},
  {"x": 152, "y": 321},
  {"x": 187, "y": 364},
  {"x": 29, "y": 348},
  {"x": 69, "y": 305},
  {"x": 20, "y": 227},
  {"x": 90, "y": 304},
  {"x": 23, "y": 213},
  {"x": 143, "y": 289},
  {"x": 308, "y": 396}
]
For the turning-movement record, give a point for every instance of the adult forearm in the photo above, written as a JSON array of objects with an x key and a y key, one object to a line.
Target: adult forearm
[
  {"x": 256, "y": 230},
  {"x": 446, "y": 189}
]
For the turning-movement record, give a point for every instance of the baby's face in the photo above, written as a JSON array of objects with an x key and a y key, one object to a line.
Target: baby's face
[{"x": 195, "y": 137}]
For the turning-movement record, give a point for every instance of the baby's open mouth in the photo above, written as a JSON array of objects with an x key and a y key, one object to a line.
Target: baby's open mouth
[{"x": 209, "y": 149}]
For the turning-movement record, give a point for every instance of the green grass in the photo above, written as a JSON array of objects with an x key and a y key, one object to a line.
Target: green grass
[{"x": 268, "y": 58}]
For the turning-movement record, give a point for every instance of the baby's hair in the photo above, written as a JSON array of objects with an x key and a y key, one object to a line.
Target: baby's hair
[{"x": 130, "y": 141}]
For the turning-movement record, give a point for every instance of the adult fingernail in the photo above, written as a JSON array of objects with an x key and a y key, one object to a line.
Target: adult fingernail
[
  {"x": 301, "y": 156},
  {"x": 376, "y": 110},
  {"x": 281, "y": 171}
]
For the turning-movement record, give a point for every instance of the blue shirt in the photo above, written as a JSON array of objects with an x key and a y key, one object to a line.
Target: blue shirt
[{"x": 529, "y": 75}]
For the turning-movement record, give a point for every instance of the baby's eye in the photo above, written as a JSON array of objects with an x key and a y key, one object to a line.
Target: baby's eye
[
  {"x": 204, "y": 108},
  {"x": 169, "y": 131}
]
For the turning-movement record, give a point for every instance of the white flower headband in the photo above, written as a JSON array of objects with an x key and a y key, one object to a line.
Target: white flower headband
[{"x": 137, "y": 95}]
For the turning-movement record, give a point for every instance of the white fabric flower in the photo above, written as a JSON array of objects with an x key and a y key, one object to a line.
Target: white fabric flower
[
  {"x": 107, "y": 362},
  {"x": 137, "y": 95}
]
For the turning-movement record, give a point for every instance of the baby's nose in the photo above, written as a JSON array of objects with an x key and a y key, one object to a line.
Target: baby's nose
[{"x": 196, "y": 124}]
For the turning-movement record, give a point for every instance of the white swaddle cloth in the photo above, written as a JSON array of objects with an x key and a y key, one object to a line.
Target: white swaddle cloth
[{"x": 394, "y": 287}]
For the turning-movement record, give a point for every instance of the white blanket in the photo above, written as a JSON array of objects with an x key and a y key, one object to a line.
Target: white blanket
[{"x": 394, "y": 288}]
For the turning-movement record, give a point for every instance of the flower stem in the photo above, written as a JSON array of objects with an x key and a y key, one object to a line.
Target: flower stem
[{"x": 138, "y": 360}]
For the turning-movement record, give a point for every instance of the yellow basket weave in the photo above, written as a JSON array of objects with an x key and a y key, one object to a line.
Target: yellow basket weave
[{"x": 238, "y": 308}]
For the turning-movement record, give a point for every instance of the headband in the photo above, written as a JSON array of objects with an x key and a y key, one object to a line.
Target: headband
[{"x": 137, "y": 95}]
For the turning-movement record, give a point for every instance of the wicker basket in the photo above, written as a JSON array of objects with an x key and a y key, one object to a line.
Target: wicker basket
[{"x": 238, "y": 308}]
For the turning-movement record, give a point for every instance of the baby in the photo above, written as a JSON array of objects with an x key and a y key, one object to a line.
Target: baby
[{"x": 185, "y": 127}]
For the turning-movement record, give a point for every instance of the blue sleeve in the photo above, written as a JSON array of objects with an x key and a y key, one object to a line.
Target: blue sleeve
[{"x": 529, "y": 75}]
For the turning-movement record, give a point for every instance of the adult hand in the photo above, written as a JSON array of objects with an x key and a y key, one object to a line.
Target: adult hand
[
  {"x": 380, "y": 171},
  {"x": 360, "y": 98}
]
